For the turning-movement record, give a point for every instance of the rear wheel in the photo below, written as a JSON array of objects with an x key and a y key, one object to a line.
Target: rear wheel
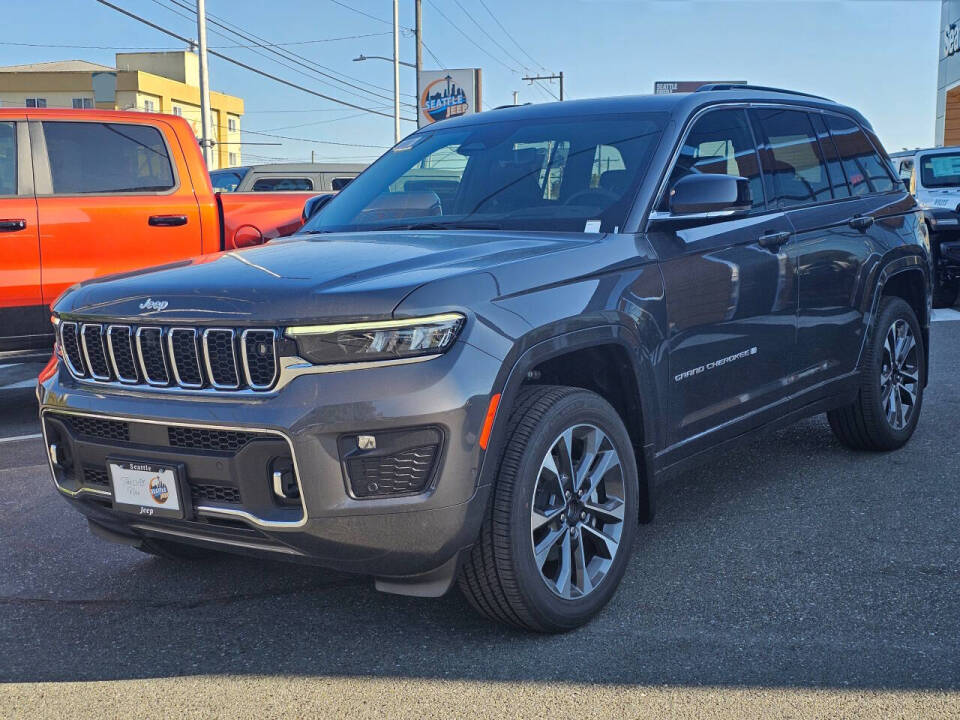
[
  {"x": 563, "y": 514},
  {"x": 887, "y": 408}
]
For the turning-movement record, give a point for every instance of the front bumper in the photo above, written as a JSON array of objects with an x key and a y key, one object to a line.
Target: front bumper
[{"x": 226, "y": 446}]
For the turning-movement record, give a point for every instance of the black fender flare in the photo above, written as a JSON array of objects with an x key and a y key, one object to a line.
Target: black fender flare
[{"x": 521, "y": 361}]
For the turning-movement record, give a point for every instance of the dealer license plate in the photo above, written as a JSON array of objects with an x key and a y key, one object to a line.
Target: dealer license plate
[{"x": 145, "y": 489}]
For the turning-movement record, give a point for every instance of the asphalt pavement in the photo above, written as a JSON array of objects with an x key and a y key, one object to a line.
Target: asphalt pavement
[{"x": 790, "y": 578}]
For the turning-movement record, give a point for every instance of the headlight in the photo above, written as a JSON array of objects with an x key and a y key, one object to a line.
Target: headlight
[{"x": 376, "y": 341}]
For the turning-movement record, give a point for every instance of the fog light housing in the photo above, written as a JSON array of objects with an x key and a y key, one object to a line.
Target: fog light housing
[
  {"x": 284, "y": 479},
  {"x": 401, "y": 462}
]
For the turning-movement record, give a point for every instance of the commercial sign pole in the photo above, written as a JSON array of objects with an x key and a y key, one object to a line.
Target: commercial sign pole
[
  {"x": 206, "y": 141},
  {"x": 396, "y": 71}
]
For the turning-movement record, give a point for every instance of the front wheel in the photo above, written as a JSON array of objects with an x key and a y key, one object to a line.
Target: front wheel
[
  {"x": 563, "y": 514},
  {"x": 887, "y": 408}
]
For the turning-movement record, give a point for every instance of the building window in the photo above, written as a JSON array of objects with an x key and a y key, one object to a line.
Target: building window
[
  {"x": 36, "y": 102},
  {"x": 149, "y": 106},
  {"x": 82, "y": 103},
  {"x": 232, "y": 159},
  {"x": 178, "y": 111},
  {"x": 232, "y": 124}
]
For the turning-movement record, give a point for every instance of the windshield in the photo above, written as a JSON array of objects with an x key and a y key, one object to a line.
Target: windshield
[
  {"x": 938, "y": 171},
  {"x": 225, "y": 180},
  {"x": 575, "y": 175}
]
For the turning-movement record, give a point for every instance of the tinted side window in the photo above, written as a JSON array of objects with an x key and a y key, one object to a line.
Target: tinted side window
[
  {"x": 8, "y": 158},
  {"x": 224, "y": 181},
  {"x": 866, "y": 170},
  {"x": 793, "y": 159},
  {"x": 279, "y": 184},
  {"x": 340, "y": 183},
  {"x": 720, "y": 143},
  {"x": 838, "y": 181},
  {"x": 107, "y": 158}
]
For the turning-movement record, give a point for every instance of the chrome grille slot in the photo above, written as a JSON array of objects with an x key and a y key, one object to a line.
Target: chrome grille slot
[
  {"x": 91, "y": 338},
  {"x": 120, "y": 345},
  {"x": 221, "y": 358},
  {"x": 259, "y": 351},
  {"x": 185, "y": 357},
  {"x": 150, "y": 351},
  {"x": 70, "y": 343}
]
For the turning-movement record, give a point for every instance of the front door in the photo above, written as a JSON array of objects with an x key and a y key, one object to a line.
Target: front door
[
  {"x": 731, "y": 297},
  {"x": 110, "y": 199},
  {"x": 24, "y": 321}
]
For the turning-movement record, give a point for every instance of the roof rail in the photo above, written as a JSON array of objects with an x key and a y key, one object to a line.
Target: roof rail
[
  {"x": 501, "y": 107},
  {"x": 734, "y": 86}
]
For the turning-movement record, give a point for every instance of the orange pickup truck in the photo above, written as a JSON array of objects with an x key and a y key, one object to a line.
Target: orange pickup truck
[{"x": 92, "y": 192}]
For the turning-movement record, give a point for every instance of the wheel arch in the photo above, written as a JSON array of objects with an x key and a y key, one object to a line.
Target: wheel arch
[
  {"x": 594, "y": 359},
  {"x": 907, "y": 278}
]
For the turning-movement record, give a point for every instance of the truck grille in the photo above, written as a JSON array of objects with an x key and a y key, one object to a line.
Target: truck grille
[{"x": 180, "y": 357}]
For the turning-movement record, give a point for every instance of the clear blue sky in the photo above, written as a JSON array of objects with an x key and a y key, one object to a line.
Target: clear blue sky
[{"x": 880, "y": 57}]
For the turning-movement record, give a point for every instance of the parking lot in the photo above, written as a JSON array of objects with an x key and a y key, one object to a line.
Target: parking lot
[{"x": 792, "y": 576}]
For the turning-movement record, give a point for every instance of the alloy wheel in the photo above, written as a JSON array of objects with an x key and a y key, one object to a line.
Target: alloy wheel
[
  {"x": 899, "y": 375},
  {"x": 577, "y": 511}
]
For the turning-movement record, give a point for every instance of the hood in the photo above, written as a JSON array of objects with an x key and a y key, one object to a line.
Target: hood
[{"x": 305, "y": 278}]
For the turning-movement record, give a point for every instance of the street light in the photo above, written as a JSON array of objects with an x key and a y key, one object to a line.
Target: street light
[{"x": 381, "y": 57}]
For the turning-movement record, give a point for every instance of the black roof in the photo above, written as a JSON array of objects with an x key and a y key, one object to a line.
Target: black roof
[{"x": 673, "y": 103}]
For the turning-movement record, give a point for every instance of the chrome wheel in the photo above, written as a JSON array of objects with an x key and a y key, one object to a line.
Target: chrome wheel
[
  {"x": 899, "y": 375},
  {"x": 577, "y": 511}
]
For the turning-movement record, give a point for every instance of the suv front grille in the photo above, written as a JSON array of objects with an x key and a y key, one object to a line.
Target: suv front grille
[
  {"x": 182, "y": 357},
  {"x": 205, "y": 439}
]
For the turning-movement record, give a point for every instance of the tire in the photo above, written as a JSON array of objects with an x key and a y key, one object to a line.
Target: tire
[
  {"x": 945, "y": 293},
  {"x": 866, "y": 424},
  {"x": 169, "y": 550},
  {"x": 500, "y": 576}
]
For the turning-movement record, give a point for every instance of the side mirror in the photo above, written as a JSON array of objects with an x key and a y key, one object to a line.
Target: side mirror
[
  {"x": 704, "y": 195},
  {"x": 314, "y": 205}
]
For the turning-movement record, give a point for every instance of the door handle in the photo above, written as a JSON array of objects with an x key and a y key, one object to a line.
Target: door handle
[
  {"x": 773, "y": 240},
  {"x": 13, "y": 225},
  {"x": 167, "y": 220},
  {"x": 860, "y": 222}
]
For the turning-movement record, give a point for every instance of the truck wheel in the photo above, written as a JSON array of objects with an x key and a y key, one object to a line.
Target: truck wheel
[
  {"x": 175, "y": 551},
  {"x": 562, "y": 515},
  {"x": 887, "y": 408},
  {"x": 945, "y": 293}
]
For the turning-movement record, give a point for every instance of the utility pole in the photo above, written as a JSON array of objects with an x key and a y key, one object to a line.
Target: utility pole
[
  {"x": 548, "y": 77},
  {"x": 206, "y": 141},
  {"x": 396, "y": 71},
  {"x": 418, "y": 25}
]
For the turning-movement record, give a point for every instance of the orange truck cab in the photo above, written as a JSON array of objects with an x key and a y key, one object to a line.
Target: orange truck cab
[{"x": 85, "y": 193}]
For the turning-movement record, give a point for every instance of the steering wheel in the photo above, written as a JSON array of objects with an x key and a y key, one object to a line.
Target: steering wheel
[{"x": 598, "y": 193}]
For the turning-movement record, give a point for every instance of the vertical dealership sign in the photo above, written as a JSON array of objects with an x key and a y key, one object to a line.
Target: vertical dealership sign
[{"x": 447, "y": 93}]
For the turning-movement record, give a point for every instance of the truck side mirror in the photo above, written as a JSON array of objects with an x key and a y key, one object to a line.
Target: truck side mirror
[{"x": 314, "y": 205}]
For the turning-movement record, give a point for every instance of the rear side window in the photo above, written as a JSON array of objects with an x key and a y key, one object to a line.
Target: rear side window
[
  {"x": 276, "y": 184},
  {"x": 838, "y": 181},
  {"x": 720, "y": 143},
  {"x": 340, "y": 183},
  {"x": 8, "y": 158},
  {"x": 107, "y": 158},
  {"x": 793, "y": 160},
  {"x": 866, "y": 170}
]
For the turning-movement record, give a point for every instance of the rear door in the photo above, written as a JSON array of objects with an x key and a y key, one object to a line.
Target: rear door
[
  {"x": 111, "y": 198},
  {"x": 24, "y": 320},
  {"x": 731, "y": 295},
  {"x": 843, "y": 204}
]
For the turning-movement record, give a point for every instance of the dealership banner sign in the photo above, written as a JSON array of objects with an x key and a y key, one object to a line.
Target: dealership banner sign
[{"x": 447, "y": 93}]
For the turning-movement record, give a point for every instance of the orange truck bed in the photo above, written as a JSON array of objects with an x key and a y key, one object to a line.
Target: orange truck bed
[{"x": 85, "y": 193}]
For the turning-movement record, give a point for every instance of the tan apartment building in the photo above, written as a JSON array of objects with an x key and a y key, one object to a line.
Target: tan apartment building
[{"x": 165, "y": 82}]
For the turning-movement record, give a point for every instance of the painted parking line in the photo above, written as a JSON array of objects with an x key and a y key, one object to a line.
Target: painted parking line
[
  {"x": 33, "y": 436},
  {"x": 945, "y": 315}
]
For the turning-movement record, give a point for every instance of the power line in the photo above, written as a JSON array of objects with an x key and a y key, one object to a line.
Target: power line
[
  {"x": 474, "y": 42},
  {"x": 244, "y": 65},
  {"x": 492, "y": 38},
  {"x": 169, "y": 49},
  {"x": 507, "y": 33},
  {"x": 286, "y": 57}
]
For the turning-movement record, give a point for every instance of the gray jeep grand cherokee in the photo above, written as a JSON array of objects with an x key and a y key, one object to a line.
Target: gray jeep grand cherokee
[{"x": 474, "y": 365}]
